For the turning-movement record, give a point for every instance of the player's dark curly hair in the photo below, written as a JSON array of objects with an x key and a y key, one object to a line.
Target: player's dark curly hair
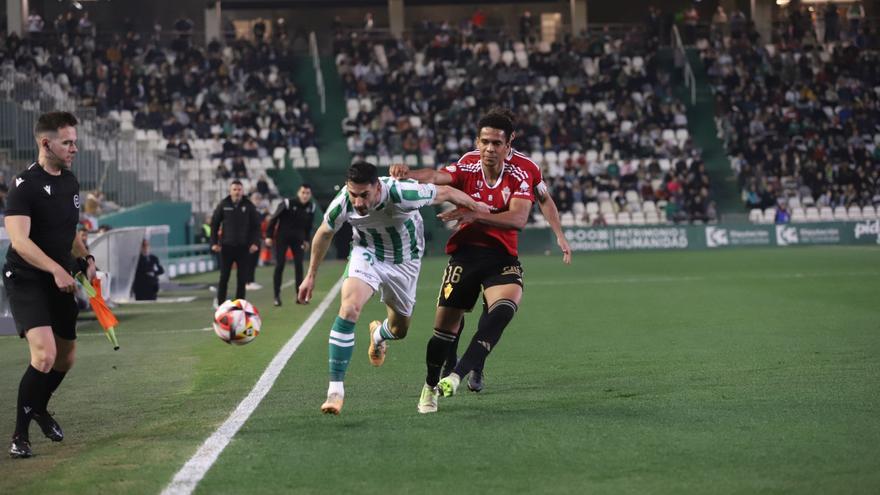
[
  {"x": 52, "y": 121},
  {"x": 498, "y": 118},
  {"x": 362, "y": 173}
]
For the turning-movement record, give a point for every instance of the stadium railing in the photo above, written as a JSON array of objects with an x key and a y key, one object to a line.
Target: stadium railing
[
  {"x": 681, "y": 60},
  {"x": 319, "y": 74}
]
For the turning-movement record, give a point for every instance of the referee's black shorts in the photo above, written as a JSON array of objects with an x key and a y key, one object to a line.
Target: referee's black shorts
[
  {"x": 35, "y": 301},
  {"x": 472, "y": 269}
]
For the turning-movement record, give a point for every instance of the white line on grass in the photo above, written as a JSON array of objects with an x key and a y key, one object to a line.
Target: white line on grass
[{"x": 185, "y": 481}]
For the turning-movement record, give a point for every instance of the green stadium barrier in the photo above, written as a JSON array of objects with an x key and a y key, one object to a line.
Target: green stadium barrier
[{"x": 720, "y": 236}]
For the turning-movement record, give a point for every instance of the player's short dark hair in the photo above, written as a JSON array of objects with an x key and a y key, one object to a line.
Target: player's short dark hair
[
  {"x": 235, "y": 182},
  {"x": 498, "y": 118},
  {"x": 362, "y": 173},
  {"x": 52, "y": 121},
  {"x": 305, "y": 185}
]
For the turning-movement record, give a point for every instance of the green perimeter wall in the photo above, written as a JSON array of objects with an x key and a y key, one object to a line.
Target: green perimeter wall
[
  {"x": 176, "y": 215},
  {"x": 720, "y": 236}
]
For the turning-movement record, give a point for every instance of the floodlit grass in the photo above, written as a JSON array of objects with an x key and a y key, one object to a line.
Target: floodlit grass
[{"x": 702, "y": 372}]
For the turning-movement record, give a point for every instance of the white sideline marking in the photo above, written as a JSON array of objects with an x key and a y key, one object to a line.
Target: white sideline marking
[{"x": 185, "y": 481}]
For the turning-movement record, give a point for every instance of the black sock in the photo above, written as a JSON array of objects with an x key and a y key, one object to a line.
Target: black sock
[
  {"x": 435, "y": 355},
  {"x": 489, "y": 330},
  {"x": 31, "y": 394},
  {"x": 452, "y": 355},
  {"x": 52, "y": 382}
]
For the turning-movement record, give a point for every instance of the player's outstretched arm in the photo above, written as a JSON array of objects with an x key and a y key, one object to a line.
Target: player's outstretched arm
[
  {"x": 514, "y": 218},
  {"x": 459, "y": 198},
  {"x": 421, "y": 175},
  {"x": 19, "y": 227},
  {"x": 320, "y": 245},
  {"x": 551, "y": 214}
]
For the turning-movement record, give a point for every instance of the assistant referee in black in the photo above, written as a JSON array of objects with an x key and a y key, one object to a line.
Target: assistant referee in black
[
  {"x": 291, "y": 225},
  {"x": 42, "y": 215},
  {"x": 235, "y": 233}
]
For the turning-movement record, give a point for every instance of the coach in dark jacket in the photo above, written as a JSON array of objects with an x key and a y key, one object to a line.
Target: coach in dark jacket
[
  {"x": 146, "y": 275},
  {"x": 291, "y": 226},
  {"x": 235, "y": 232}
]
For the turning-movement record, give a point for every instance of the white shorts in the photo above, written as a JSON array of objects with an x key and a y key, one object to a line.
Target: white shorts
[{"x": 396, "y": 284}]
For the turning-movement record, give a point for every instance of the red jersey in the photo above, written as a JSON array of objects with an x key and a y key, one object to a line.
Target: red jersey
[
  {"x": 514, "y": 182},
  {"x": 516, "y": 158}
]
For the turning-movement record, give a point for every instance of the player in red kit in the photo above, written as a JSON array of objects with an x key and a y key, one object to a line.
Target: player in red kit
[
  {"x": 548, "y": 210},
  {"x": 483, "y": 255},
  {"x": 542, "y": 198}
]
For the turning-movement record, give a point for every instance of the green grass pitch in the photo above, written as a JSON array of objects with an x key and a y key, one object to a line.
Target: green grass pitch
[{"x": 741, "y": 371}]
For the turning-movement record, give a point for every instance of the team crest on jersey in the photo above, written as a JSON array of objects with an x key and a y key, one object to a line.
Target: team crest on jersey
[
  {"x": 505, "y": 193},
  {"x": 48, "y": 190},
  {"x": 18, "y": 181},
  {"x": 451, "y": 168},
  {"x": 76, "y": 201}
]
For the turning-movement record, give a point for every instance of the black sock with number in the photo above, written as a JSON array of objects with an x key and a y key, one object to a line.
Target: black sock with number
[{"x": 31, "y": 396}]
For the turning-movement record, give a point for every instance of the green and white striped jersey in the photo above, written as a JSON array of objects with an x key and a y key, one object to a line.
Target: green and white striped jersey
[{"x": 393, "y": 231}]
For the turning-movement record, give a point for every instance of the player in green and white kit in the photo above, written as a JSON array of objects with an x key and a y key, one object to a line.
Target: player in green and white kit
[{"x": 385, "y": 257}]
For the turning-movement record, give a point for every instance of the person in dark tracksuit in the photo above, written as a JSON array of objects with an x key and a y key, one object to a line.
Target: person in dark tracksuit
[
  {"x": 240, "y": 236},
  {"x": 293, "y": 218},
  {"x": 146, "y": 275}
]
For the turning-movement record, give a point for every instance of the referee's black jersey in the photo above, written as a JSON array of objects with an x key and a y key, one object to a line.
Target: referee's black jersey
[{"x": 52, "y": 202}]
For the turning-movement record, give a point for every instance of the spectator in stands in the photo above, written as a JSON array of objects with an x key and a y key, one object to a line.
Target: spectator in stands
[
  {"x": 563, "y": 199},
  {"x": 719, "y": 21},
  {"x": 599, "y": 220},
  {"x": 4, "y": 190},
  {"x": 184, "y": 151},
  {"x": 146, "y": 275},
  {"x": 782, "y": 215},
  {"x": 221, "y": 172},
  {"x": 526, "y": 26},
  {"x": 171, "y": 148},
  {"x": 832, "y": 22},
  {"x": 691, "y": 18},
  {"x": 263, "y": 187},
  {"x": 239, "y": 169},
  {"x": 35, "y": 23},
  {"x": 84, "y": 26},
  {"x": 855, "y": 13}
]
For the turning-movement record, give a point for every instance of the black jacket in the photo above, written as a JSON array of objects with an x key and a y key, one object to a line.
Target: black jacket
[
  {"x": 294, "y": 220},
  {"x": 241, "y": 223},
  {"x": 146, "y": 277}
]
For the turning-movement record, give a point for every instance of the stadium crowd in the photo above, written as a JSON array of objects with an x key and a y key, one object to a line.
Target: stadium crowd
[
  {"x": 596, "y": 112},
  {"x": 239, "y": 92},
  {"x": 799, "y": 115}
]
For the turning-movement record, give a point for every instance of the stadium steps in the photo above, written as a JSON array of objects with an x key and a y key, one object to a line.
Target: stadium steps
[
  {"x": 332, "y": 149},
  {"x": 701, "y": 125}
]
